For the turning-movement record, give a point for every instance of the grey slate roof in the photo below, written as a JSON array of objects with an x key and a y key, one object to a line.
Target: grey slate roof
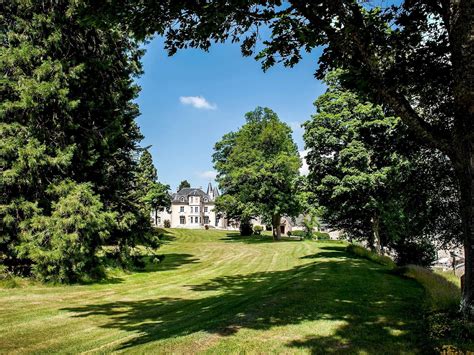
[{"x": 186, "y": 192}]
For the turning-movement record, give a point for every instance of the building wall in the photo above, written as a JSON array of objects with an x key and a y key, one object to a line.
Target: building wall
[
  {"x": 161, "y": 217},
  {"x": 189, "y": 211},
  {"x": 175, "y": 214},
  {"x": 190, "y": 214}
]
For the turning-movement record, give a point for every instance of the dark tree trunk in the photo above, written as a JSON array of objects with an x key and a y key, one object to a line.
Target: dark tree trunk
[
  {"x": 465, "y": 175},
  {"x": 276, "y": 219},
  {"x": 371, "y": 241},
  {"x": 461, "y": 35},
  {"x": 376, "y": 230}
]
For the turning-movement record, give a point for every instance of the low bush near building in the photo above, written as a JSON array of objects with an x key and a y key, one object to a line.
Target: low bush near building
[
  {"x": 245, "y": 229},
  {"x": 321, "y": 236},
  {"x": 297, "y": 233},
  {"x": 257, "y": 230},
  {"x": 167, "y": 223}
]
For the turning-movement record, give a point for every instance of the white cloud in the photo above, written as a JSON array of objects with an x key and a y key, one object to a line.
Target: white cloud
[
  {"x": 197, "y": 102},
  {"x": 209, "y": 174},
  {"x": 304, "y": 170}
]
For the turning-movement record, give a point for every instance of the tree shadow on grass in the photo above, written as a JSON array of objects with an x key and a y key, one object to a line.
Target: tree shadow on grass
[
  {"x": 324, "y": 254},
  {"x": 166, "y": 236},
  {"x": 170, "y": 261},
  {"x": 371, "y": 311},
  {"x": 109, "y": 280},
  {"x": 254, "y": 239},
  {"x": 329, "y": 251}
]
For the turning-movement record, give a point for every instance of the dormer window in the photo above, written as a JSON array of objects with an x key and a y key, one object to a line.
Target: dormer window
[
  {"x": 205, "y": 199},
  {"x": 182, "y": 199}
]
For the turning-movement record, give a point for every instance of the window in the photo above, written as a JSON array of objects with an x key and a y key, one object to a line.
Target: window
[
  {"x": 196, "y": 209},
  {"x": 205, "y": 209},
  {"x": 196, "y": 219},
  {"x": 182, "y": 199},
  {"x": 190, "y": 219},
  {"x": 182, "y": 220},
  {"x": 206, "y": 220},
  {"x": 181, "y": 209},
  {"x": 158, "y": 220}
]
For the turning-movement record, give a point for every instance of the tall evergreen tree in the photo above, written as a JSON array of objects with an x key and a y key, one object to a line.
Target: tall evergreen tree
[
  {"x": 68, "y": 117},
  {"x": 146, "y": 173},
  {"x": 153, "y": 194}
]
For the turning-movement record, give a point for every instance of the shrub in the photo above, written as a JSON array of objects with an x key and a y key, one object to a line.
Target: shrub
[
  {"x": 158, "y": 258},
  {"x": 321, "y": 235},
  {"x": 367, "y": 254},
  {"x": 415, "y": 252},
  {"x": 288, "y": 233},
  {"x": 167, "y": 223},
  {"x": 3, "y": 272},
  {"x": 245, "y": 228},
  {"x": 63, "y": 245},
  {"x": 206, "y": 226},
  {"x": 257, "y": 230},
  {"x": 7, "y": 280},
  {"x": 297, "y": 233}
]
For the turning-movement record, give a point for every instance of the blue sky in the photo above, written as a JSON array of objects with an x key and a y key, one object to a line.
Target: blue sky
[{"x": 189, "y": 101}]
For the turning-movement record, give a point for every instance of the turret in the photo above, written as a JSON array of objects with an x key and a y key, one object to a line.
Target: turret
[{"x": 210, "y": 191}]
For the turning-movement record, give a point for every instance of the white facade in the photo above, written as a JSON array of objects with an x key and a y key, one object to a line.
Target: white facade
[{"x": 191, "y": 208}]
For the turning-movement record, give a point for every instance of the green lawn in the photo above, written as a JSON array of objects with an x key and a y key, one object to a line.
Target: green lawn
[{"x": 216, "y": 292}]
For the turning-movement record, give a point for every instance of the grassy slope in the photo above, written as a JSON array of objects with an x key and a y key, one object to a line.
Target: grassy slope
[{"x": 218, "y": 293}]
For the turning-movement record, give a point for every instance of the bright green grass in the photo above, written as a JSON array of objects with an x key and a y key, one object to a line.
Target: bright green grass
[{"x": 218, "y": 293}]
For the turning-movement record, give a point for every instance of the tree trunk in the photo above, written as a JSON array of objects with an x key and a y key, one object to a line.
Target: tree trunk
[
  {"x": 276, "y": 219},
  {"x": 461, "y": 36},
  {"x": 370, "y": 242},
  {"x": 376, "y": 231},
  {"x": 156, "y": 217},
  {"x": 466, "y": 175}
]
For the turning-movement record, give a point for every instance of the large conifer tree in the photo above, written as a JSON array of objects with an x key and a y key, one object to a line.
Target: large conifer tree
[{"x": 67, "y": 119}]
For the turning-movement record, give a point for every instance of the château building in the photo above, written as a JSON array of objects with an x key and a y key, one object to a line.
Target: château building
[{"x": 191, "y": 208}]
